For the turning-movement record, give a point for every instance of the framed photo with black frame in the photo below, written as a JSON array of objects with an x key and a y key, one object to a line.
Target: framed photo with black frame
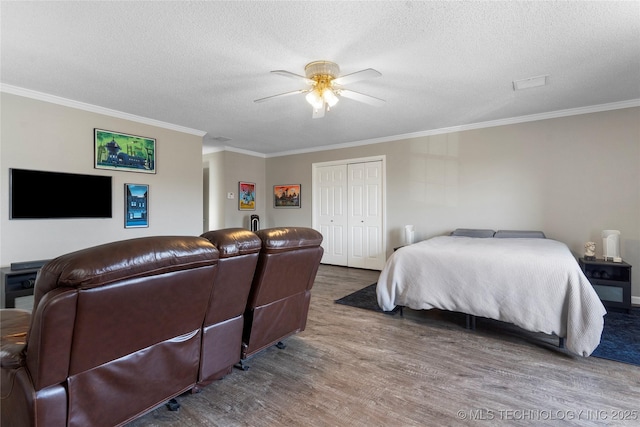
[
  {"x": 286, "y": 196},
  {"x": 124, "y": 152},
  {"x": 136, "y": 205}
]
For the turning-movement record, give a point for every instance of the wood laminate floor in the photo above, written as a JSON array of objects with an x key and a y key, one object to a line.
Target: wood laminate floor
[{"x": 354, "y": 367}]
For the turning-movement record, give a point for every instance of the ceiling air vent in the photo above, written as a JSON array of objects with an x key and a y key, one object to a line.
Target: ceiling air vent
[
  {"x": 530, "y": 82},
  {"x": 219, "y": 139}
]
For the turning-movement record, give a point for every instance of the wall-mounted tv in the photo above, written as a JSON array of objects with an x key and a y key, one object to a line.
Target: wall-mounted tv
[{"x": 48, "y": 195}]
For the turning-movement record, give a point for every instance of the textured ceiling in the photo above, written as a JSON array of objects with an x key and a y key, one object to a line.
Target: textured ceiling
[{"x": 200, "y": 65}]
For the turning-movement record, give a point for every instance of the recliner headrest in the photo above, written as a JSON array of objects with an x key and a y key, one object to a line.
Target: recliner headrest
[
  {"x": 234, "y": 241},
  {"x": 128, "y": 259},
  {"x": 288, "y": 238}
]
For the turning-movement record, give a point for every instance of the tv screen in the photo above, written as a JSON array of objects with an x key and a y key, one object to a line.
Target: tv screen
[{"x": 46, "y": 195}]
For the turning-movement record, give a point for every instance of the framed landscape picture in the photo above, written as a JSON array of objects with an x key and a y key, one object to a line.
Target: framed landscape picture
[
  {"x": 246, "y": 196},
  {"x": 286, "y": 196},
  {"x": 121, "y": 151},
  {"x": 136, "y": 205}
]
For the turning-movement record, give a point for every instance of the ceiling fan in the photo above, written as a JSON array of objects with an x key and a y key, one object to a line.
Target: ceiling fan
[{"x": 326, "y": 86}]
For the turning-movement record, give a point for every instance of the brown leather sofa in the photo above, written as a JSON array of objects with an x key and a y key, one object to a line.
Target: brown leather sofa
[
  {"x": 116, "y": 330},
  {"x": 222, "y": 329},
  {"x": 281, "y": 292},
  {"x": 121, "y": 328}
]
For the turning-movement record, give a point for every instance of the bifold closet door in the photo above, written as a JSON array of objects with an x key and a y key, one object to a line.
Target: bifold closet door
[
  {"x": 364, "y": 223},
  {"x": 349, "y": 214},
  {"x": 332, "y": 213}
]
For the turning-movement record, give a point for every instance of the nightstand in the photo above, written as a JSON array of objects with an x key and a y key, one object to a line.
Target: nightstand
[{"x": 611, "y": 281}]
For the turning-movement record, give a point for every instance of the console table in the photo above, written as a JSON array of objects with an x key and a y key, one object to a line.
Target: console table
[{"x": 16, "y": 284}]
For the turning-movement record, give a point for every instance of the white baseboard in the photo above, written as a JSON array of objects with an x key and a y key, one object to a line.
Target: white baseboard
[{"x": 635, "y": 301}]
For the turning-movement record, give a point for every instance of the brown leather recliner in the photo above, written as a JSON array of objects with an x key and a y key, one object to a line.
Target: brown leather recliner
[
  {"x": 281, "y": 292},
  {"x": 115, "y": 331},
  {"x": 222, "y": 330}
]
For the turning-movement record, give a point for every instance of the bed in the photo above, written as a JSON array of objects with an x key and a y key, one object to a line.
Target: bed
[{"x": 519, "y": 277}]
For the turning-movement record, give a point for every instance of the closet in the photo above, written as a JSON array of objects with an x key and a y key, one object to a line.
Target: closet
[{"x": 348, "y": 210}]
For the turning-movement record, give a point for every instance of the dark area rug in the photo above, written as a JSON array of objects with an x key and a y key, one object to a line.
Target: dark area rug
[
  {"x": 364, "y": 298},
  {"x": 620, "y": 339}
]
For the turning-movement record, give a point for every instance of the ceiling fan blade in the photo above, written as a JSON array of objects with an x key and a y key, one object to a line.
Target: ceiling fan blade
[
  {"x": 319, "y": 113},
  {"x": 361, "y": 97},
  {"x": 369, "y": 73},
  {"x": 293, "y": 76},
  {"x": 295, "y": 92}
]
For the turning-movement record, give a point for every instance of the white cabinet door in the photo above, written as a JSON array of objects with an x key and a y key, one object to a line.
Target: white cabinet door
[
  {"x": 364, "y": 223},
  {"x": 331, "y": 214}
]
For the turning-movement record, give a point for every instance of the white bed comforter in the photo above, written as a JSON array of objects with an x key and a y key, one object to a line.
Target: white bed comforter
[{"x": 533, "y": 283}]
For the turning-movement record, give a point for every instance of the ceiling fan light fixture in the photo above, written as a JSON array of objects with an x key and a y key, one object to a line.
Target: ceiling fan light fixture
[
  {"x": 316, "y": 101},
  {"x": 330, "y": 97},
  {"x": 318, "y": 69},
  {"x": 325, "y": 86}
]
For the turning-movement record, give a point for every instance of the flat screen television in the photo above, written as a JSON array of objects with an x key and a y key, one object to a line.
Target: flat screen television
[{"x": 37, "y": 194}]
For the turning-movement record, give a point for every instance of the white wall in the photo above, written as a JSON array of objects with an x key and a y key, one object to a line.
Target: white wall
[
  {"x": 571, "y": 177},
  {"x": 215, "y": 199},
  {"x": 226, "y": 169},
  {"x": 46, "y": 136}
]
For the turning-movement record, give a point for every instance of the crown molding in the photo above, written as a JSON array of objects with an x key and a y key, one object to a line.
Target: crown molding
[
  {"x": 247, "y": 152},
  {"x": 15, "y": 90},
  {"x": 480, "y": 125},
  {"x": 28, "y": 93},
  {"x": 210, "y": 150}
]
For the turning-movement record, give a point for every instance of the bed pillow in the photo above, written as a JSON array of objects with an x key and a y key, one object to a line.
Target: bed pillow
[
  {"x": 529, "y": 234},
  {"x": 472, "y": 232}
]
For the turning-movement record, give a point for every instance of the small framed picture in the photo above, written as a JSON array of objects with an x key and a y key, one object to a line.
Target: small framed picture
[
  {"x": 246, "y": 196},
  {"x": 123, "y": 152},
  {"x": 286, "y": 196},
  {"x": 136, "y": 205}
]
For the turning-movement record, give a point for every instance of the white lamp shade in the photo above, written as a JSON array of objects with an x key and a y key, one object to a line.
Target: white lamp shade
[
  {"x": 329, "y": 97},
  {"x": 315, "y": 100},
  {"x": 611, "y": 244},
  {"x": 408, "y": 234}
]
